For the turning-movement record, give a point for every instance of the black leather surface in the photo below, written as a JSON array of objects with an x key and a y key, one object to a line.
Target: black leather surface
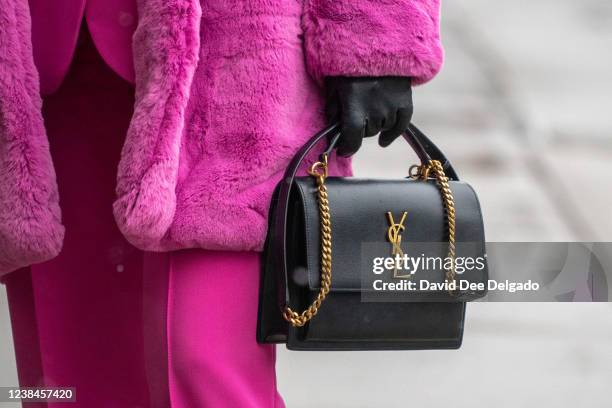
[
  {"x": 347, "y": 323},
  {"x": 358, "y": 212}
]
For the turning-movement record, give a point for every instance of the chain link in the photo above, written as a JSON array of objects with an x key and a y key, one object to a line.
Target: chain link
[
  {"x": 319, "y": 171},
  {"x": 449, "y": 205}
]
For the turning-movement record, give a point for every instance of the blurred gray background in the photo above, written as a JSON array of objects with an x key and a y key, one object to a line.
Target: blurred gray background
[{"x": 523, "y": 108}]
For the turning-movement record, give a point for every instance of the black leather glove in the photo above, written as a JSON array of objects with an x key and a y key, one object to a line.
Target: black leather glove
[{"x": 366, "y": 106}]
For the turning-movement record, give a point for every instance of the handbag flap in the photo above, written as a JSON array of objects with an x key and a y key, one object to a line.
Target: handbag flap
[{"x": 361, "y": 232}]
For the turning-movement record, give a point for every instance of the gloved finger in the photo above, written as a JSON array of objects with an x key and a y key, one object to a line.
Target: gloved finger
[
  {"x": 375, "y": 123},
  {"x": 352, "y": 133},
  {"x": 401, "y": 124},
  {"x": 390, "y": 120},
  {"x": 332, "y": 110}
]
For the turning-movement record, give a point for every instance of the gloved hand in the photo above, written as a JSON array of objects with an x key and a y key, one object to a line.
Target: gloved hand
[{"x": 366, "y": 106}]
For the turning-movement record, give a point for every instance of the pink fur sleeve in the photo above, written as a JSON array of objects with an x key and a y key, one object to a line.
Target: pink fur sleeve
[
  {"x": 372, "y": 38},
  {"x": 165, "y": 46},
  {"x": 30, "y": 221}
]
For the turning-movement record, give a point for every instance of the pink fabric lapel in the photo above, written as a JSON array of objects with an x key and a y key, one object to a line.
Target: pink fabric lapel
[
  {"x": 55, "y": 29},
  {"x": 30, "y": 220}
]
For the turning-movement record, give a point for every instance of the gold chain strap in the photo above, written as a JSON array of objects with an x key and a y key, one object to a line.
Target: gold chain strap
[
  {"x": 449, "y": 205},
  {"x": 319, "y": 171}
]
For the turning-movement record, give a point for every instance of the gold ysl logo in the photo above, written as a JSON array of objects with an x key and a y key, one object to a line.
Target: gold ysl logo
[{"x": 394, "y": 234}]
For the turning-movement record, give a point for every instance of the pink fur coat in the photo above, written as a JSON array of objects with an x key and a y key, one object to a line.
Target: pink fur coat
[{"x": 226, "y": 92}]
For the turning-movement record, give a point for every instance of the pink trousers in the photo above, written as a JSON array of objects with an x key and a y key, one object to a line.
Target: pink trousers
[
  {"x": 205, "y": 342},
  {"x": 128, "y": 329}
]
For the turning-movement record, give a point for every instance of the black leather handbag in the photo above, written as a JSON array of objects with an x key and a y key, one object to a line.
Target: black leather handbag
[{"x": 319, "y": 289}]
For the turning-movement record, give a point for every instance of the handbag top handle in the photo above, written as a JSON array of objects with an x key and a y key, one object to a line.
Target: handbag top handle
[{"x": 424, "y": 148}]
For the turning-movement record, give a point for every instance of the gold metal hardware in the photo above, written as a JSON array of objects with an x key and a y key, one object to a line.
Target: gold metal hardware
[
  {"x": 449, "y": 206},
  {"x": 419, "y": 172},
  {"x": 319, "y": 171},
  {"x": 394, "y": 234}
]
